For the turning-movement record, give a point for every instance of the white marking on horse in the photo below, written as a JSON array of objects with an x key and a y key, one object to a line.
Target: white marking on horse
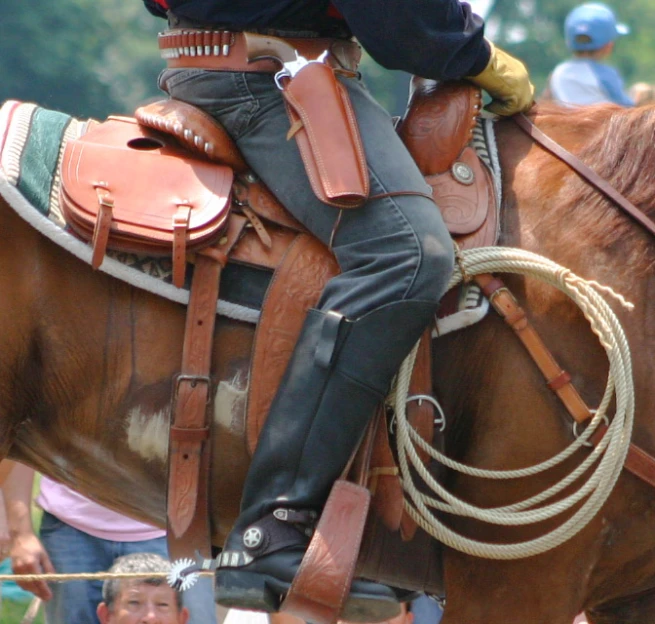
[
  {"x": 147, "y": 434},
  {"x": 230, "y": 404}
]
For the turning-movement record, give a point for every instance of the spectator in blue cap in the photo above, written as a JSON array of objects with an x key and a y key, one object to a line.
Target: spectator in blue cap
[{"x": 590, "y": 31}]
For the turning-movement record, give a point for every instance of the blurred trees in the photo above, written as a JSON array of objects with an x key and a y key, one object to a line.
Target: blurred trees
[
  {"x": 91, "y": 59},
  {"x": 79, "y": 56}
]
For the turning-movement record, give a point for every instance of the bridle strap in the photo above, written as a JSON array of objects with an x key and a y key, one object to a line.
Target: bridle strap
[
  {"x": 584, "y": 171},
  {"x": 638, "y": 462}
]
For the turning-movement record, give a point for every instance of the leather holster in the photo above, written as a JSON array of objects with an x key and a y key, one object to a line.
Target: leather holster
[{"x": 324, "y": 124}]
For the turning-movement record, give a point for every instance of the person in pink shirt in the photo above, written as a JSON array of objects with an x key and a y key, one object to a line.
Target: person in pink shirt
[{"x": 78, "y": 535}]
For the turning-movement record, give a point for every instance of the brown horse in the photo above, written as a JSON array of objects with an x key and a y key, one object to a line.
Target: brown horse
[{"x": 86, "y": 363}]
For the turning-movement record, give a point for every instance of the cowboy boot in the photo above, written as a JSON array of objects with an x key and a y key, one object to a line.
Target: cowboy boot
[{"x": 338, "y": 374}]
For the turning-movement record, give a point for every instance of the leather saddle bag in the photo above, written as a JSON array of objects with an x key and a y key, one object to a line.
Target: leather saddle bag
[{"x": 130, "y": 188}]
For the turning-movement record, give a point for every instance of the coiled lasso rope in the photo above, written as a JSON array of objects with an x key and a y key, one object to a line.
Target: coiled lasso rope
[{"x": 609, "y": 455}]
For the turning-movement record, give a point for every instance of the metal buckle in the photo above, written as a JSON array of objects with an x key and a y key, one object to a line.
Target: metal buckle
[{"x": 194, "y": 379}]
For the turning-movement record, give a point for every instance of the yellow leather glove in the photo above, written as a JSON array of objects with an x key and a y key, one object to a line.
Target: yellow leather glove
[{"x": 506, "y": 80}]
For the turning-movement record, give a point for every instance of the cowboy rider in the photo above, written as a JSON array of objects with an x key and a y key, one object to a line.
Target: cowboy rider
[{"x": 394, "y": 252}]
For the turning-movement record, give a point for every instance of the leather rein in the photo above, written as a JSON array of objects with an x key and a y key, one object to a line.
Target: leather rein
[
  {"x": 640, "y": 463},
  {"x": 586, "y": 172}
]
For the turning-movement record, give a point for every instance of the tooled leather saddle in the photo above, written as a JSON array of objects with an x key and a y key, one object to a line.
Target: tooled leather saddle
[{"x": 206, "y": 202}]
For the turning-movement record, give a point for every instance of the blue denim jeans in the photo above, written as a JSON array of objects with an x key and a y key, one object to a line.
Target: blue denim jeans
[
  {"x": 389, "y": 250},
  {"x": 426, "y": 611},
  {"x": 74, "y": 551}
]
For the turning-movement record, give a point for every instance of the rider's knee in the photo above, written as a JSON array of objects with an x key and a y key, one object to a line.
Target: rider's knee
[{"x": 436, "y": 265}]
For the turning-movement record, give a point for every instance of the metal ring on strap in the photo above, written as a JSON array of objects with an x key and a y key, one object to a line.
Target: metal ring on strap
[
  {"x": 440, "y": 420},
  {"x": 575, "y": 424}
]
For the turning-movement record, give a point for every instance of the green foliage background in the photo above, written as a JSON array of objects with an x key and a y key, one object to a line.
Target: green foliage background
[{"x": 90, "y": 58}]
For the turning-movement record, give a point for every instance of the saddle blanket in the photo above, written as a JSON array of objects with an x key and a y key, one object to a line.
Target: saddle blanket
[{"x": 32, "y": 141}]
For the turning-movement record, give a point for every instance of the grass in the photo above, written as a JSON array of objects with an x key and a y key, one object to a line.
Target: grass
[{"x": 13, "y": 612}]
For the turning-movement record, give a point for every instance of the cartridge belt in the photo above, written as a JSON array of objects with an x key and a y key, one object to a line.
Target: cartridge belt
[{"x": 225, "y": 50}]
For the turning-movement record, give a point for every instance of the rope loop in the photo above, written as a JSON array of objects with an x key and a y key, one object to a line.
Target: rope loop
[{"x": 603, "y": 463}]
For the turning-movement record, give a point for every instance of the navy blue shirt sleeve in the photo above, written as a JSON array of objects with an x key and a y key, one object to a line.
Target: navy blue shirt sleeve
[{"x": 438, "y": 39}]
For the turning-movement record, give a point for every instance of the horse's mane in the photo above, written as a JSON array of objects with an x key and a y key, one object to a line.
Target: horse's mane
[{"x": 619, "y": 144}]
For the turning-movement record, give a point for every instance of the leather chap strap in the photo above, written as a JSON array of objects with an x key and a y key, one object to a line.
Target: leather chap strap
[{"x": 189, "y": 438}]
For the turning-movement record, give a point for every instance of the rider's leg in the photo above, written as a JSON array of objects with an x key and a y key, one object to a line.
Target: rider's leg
[{"x": 395, "y": 256}]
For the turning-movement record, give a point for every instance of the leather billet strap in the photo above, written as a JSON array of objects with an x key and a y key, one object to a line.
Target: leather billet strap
[
  {"x": 189, "y": 443},
  {"x": 382, "y": 475},
  {"x": 226, "y": 51},
  {"x": 420, "y": 413}
]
